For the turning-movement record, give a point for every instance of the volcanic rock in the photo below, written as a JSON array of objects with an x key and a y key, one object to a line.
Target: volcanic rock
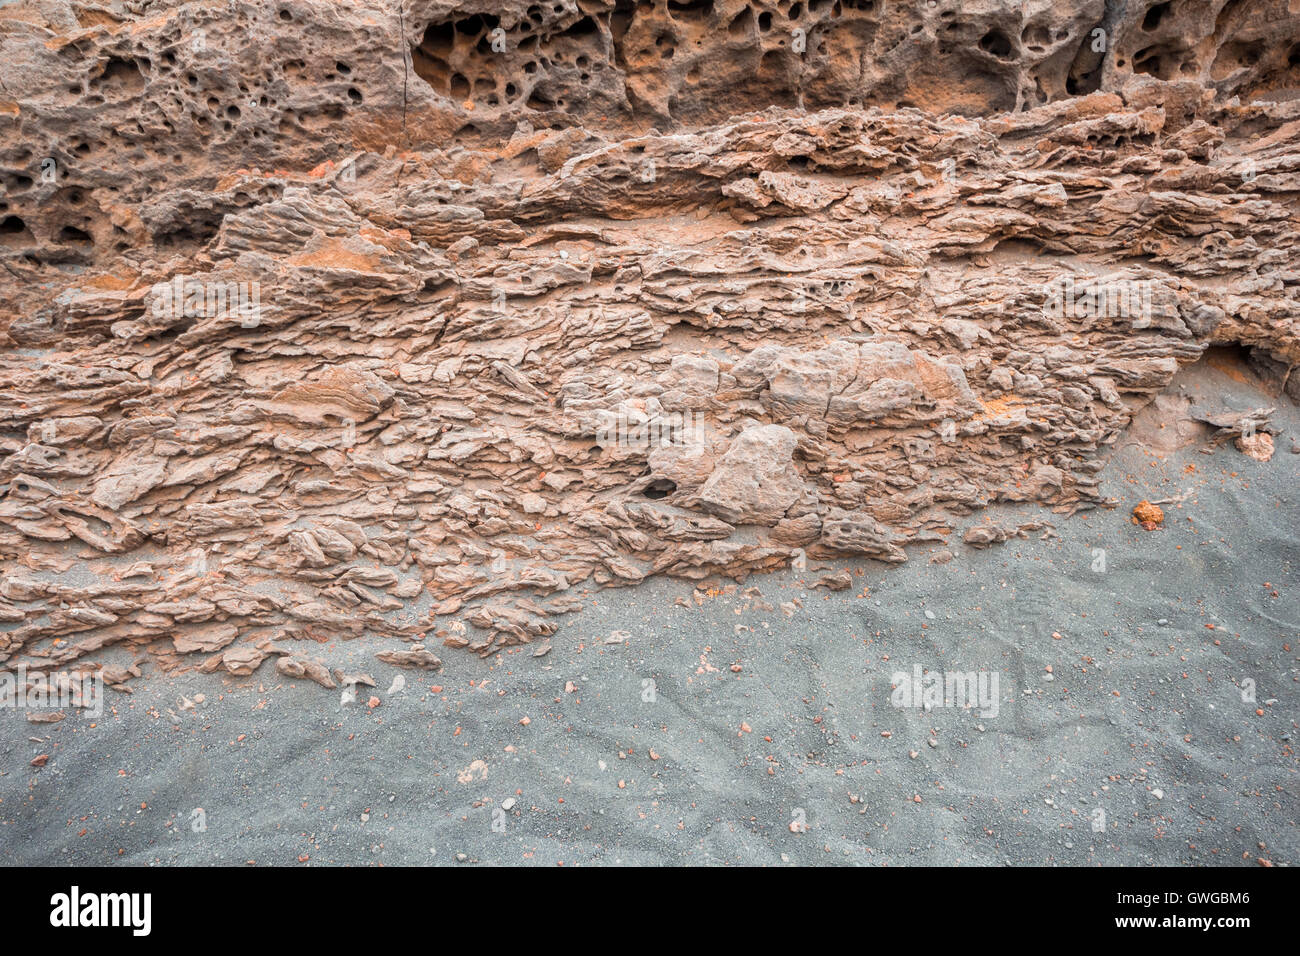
[{"x": 313, "y": 313}]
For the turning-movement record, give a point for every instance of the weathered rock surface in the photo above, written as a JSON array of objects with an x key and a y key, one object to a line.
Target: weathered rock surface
[
  {"x": 756, "y": 481},
  {"x": 323, "y": 319}
]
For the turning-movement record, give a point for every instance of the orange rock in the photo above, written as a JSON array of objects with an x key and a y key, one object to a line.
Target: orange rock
[
  {"x": 1258, "y": 446},
  {"x": 1147, "y": 515}
]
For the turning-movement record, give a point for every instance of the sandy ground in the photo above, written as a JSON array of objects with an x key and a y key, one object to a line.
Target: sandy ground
[{"x": 1136, "y": 748}]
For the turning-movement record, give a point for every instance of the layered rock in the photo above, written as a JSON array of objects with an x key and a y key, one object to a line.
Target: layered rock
[{"x": 333, "y": 319}]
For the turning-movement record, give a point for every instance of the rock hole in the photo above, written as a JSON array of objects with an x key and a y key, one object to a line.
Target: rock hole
[
  {"x": 997, "y": 43},
  {"x": 742, "y": 24},
  {"x": 13, "y": 230},
  {"x": 74, "y": 235},
  {"x": 660, "y": 488},
  {"x": 1154, "y": 16},
  {"x": 1036, "y": 38},
  {"x": 621, "y": 19},
  {"x": 690, "y": 9},
  {"x": 121, "y": 76},
  {"x": 584, "y": 27},
  {"x": 1085, "y": 72},
  {"x": 429, "y": 58},
  {"x": 1147, "y": 61}
]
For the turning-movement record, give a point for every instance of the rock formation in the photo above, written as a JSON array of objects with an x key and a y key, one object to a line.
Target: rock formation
[{"x": 326, "y": 318}]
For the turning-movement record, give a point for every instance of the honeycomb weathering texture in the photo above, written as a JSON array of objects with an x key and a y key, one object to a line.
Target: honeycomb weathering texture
[{"x": 331, "y": 319}]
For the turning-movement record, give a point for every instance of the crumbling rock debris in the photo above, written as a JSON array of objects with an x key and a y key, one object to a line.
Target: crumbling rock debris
[
  {"x": 243, "y": 660},
  {"x": 838, "y": 581},
  {"x": 984, "y": 535},
  {"x": 291, "y": 666},
  {"x": 412, "y": 658},
  {"x": 313, "y": 314},
  {"x": 347, "y": 679},
  {"x": 1248, "y": 431},
  {"x": 1258, "y": 446},
  {"x": 1147, "y": 516}
]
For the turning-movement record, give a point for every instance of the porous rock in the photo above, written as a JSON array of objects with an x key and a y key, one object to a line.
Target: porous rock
[{"x": 312, "y": 311}]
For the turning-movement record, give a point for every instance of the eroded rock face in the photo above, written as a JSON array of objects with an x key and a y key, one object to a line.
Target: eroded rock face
[
  {"x": 756, "y": 481},
  {"x": 331, "y": 319}
]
